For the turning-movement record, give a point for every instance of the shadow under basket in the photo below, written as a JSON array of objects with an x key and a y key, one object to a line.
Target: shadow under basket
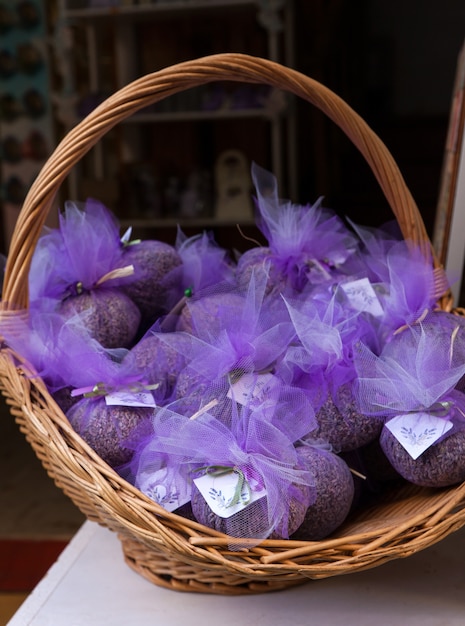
[{"x": 167, "y": 549}]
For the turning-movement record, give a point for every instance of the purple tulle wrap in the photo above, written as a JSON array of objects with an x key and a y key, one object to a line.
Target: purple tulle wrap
[
  {"x": 415, "y": 373},
  {"x": 205, "y": 263},
  {"x": 306, "y": 244},
  {"x": 327, "y": 330},
  {"x": 412, "y": 287},
  {"x": 413, "y": 380},
  {"x": 78, "y": 269},
  {"x": 106, "y": 425},
  {"x": 62, "y": 352},
  {"x": 84, "y": 249},
  {"x": 251, "y": 338}
]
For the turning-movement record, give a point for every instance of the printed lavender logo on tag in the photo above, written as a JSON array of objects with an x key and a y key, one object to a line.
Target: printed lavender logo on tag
[
  {"x": 130, "y": 398},
  {"x": 219, "y": 492},
  {"x": 362, "y": 296},
  {"x": 416, "y": 432},
  {"x": 164, "y": 490},
  {"x": 252, "y": 388}
]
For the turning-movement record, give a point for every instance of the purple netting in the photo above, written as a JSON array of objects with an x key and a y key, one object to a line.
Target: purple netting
[
  {"x": 414, "y": 376},
  {"x": 307, "y": 244},
  {"x": 115, "y": 403},
  {"x": 323, "y": 365},
  {"x": 76, "y": 256},
  {"x": 79, "y": 269},
  {"x": 412, "y": 287},
  {"x": 106, "y": 428},
  {"x": 327, "y": 331},
  {"x": 415, "y": 373},
  {"x": 62, "y": 353},
  {"x": 205, "y": 263},
  {"x": 375, "y": 244},
  {"x": 247, "y": 337}
]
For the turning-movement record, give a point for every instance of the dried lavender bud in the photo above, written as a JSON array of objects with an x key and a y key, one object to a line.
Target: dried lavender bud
[
  {"x": 190, "y": 385},
  {"x": 441, "y": 465},
  {"x": 160, "y": 357},
  {"x": 258, "y": 261},
  {"x": 193, "y": 392},
  {"x": 334, "y": 493},
  {"x": 156, "y": 284},
  {"x": 204, "y": 316},
  {"x": 109, "y": 315},
  {"x": 343, "y": 426},
  {"x": 106, "y": 428}
]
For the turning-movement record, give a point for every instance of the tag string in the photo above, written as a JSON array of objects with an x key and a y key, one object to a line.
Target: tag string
[
  {"x": 453, "y": 337},
  {"x": 418, "y": 321},
  {"x": 119, "y": 272},
  {"x": 100, "y": 389},
  {"x": 177, "y": 308},
  {"x": 204, "y": 409},
  {"x": 438, "y": 409},
  {"x": 320, "y": 266}
]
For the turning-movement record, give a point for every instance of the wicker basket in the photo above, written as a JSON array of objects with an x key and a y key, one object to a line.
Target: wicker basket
[{"x": 164, "y": 548}]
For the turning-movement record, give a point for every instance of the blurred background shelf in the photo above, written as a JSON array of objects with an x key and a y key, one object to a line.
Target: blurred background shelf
[{"x": 113, "y": 45}]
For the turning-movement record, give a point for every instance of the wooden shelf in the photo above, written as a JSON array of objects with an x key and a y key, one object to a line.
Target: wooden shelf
[
  {"x": 139, "y": 41},
  {"x": 201, "y": 222},
  {"x": 158, "y": 9}
]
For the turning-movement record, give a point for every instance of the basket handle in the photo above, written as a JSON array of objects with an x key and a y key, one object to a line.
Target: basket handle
[{"x": 156, "y": 86}]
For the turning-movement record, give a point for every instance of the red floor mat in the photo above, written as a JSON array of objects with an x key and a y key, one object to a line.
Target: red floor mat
[{"x": 23, "y": 563}]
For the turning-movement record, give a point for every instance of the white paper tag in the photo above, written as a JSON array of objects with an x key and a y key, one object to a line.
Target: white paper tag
[
  {"x": 130, "y": 398},
  {"x": 252, "y": 389},
  {"x": 219, "y": 491},
  {"x": 160, "y": 487},
  {"x": 362, "y": 296},
  {"x": 416, "y": 432}
]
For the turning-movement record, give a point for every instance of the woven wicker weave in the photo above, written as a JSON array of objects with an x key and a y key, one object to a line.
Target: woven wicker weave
[{"x": 165, "y": 548}]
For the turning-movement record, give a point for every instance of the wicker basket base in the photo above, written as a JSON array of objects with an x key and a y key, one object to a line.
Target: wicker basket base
[
  {"x": 170, "y": 573},
  {"x": 375, "y": 535}
]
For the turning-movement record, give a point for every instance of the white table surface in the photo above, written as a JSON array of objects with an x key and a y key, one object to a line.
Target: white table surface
[{"x": 91, "y": 585}]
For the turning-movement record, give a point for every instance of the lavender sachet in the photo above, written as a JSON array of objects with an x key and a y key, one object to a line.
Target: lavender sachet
[
  {"x": 411, "y": 385},
  {"x": 322, "y": 362},
  {"x": 246, "y": 479},
  {"x": 79, "y": 269},
  {"x": 306, "y": 244},
  {"x": 113, "y": 402}
]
